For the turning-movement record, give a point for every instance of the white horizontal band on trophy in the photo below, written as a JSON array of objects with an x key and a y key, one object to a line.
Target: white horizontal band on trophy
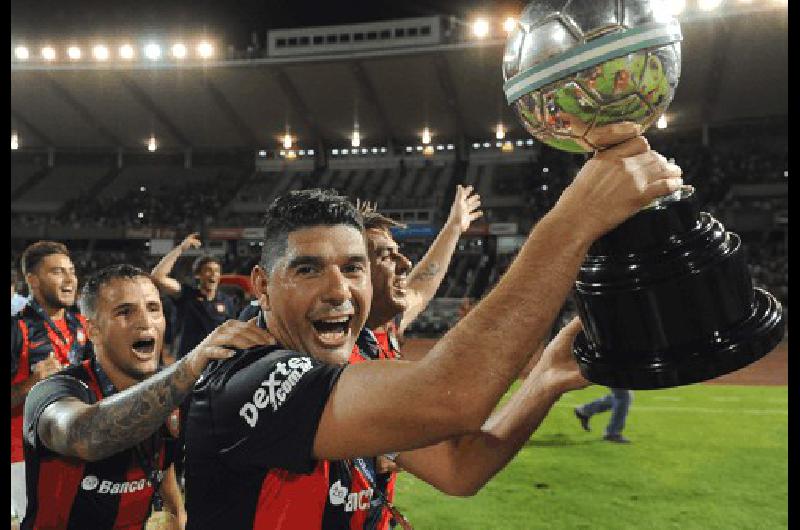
[{"x": 591, "y": 53}]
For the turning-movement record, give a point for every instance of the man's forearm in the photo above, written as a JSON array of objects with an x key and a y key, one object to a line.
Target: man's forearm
[
  {"x": 165, "y": 266},
  {"x": 427, "y": 275},
  {"x": 123, "y": 420},
  {"x": 463, "y": 465},
  {"x": 20, "y": 390},
  {"x": 496, "y": 339}
]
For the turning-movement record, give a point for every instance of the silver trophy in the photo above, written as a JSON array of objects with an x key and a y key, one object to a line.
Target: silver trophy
[{"x": 666, "y": 298}]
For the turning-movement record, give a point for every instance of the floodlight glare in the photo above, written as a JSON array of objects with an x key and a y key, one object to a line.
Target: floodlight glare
[
  {"x": 287, "y": 141},
  {"x": 74, "y": 53},
  {"x": 426, "y": 136},
  {"x": 179, "y": 50},
  {"x": 14, "y": 141},
  {"x": 152, "y": 52},
  {"x": 151, "y": 144},
  {"x": 500, "y": 132},
  {"x": 126, "y": 51},
  {"x": 205, "y": 50},
  {"x": 708, "y": 5},
  {"x": 509, "y": 24},
  {"x": 100, "y": 52},
  {"x": 355, "y": 141},
  {"x": 48, "y": 53},
  {"x": 676, "y": 7},
  {"x": 480, "y": 28},
  {"x": 21, "y": 53},
  {"x": 662, "y": 122}
]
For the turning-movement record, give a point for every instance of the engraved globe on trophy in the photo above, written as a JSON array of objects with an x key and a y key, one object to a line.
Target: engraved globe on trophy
[{"x": 666, "y": 298}]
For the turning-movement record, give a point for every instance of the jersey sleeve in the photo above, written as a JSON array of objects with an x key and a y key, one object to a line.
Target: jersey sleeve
[
  {"x": 16, "y": 346},
  {"x": 45, "y": 393},
  {"x": 268, "y": 413}
]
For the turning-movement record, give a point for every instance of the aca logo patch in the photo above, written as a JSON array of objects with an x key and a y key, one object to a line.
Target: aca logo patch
[{"x": 90, "y": 482}]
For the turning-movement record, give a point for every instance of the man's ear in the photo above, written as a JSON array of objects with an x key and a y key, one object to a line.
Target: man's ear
[
  {"x": 32, "y": 281},
  {"x": 92, "y": 331},
  {"x": 260, "y": 281}
]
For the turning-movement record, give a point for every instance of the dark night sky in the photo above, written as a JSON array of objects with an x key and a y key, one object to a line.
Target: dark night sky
[{"x": 233, "y": 19}]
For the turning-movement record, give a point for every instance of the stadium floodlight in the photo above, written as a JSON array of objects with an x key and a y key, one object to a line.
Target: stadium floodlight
[
  {"x": 142, "y": 188},
  {"x": 152, "y": 51},
  {"x": 100, "y": 52},
  {"x": 334, "y": 152},
  {"x": 302, "y": 152},
  {"x": 126, "y": 51},
  {"x": 500, "y": 132},
  {"x": 291, "y": 155},
  {"x": 48, "y": 53},
  {"x": 419, "y": 148},
  {"x": 262, "y": 153},
  {"x": 283, "y": 153},
  {"x": 21, "y": 53},
  {"x": 151, "y": 144},
  {"x": 509, "y": 24},
  {"x": 383, "y": 149},
  {"x": 507, "y": 147},
  {"x": 450, "y": 147},
  {"x": 364, "y": 150},
  {"x": 486, "y": 145},
  {"x": 708, "y": 5},
  {"x": 374, "y": 150},
  {"x": 14, "y": 141},
  {"x": 310, "y": 152},
  {"x": 544, "y": 187},
  {"x": 409, "y": 149},
  {"x": 345, "y": 152},
  {"x": 205, "y": 50},
  {"x": 426, "y": 136},
  {"x": 179, "y": 50},
  {"x": 440, "y": 148},
  {"x": 428, "y": 151},
  {"x": 140, "y": 215},
  {"x": 287, "y": 141},
  {"x": 498, "y": 144},
  {"x": 355, "y": 140},
  {"x": 480, "y": 28},
  {"x": 662, "y": 122},
  {"x": 520, "y": 143},
  {"x": 476, "y": 146},
  {"x": 545, "y": 170},
  {"x": 529, "y": 141},
  {"x": 74, "y": 53}
]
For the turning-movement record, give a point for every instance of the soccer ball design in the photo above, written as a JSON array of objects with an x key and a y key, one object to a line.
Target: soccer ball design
[{"x": 572, "y": 67}]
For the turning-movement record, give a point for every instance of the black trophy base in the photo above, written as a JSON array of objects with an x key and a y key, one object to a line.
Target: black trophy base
[{"x": 666, "y": 300}]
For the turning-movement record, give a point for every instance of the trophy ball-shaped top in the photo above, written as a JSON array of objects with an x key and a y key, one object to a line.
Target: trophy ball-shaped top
[{"x": 576, "y": 69}]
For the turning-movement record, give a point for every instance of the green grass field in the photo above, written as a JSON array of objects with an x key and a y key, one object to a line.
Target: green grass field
[{"x": 702, "y": 457}]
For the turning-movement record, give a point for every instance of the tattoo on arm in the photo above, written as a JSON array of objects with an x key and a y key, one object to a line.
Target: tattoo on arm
[
  {"x": 428, "y": 273},
  {"x": 125, "y": 419}
]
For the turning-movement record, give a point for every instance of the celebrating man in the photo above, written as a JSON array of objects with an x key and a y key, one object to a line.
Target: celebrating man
[
  {"x": 276, "y": 436},
  {"x": 46, "y": 335},
  {"x": 96, "y": 451}
]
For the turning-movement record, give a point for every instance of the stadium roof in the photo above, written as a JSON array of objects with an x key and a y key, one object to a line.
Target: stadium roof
[{"x": 734, "y": 68}]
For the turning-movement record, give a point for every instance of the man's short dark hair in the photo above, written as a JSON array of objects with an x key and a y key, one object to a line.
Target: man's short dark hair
[
  {"x": 36, "y": 252},
  {"x": 201, "y": 261},
  {"x": 303, "y": 209},
  {"x": 91, "y": 289}
]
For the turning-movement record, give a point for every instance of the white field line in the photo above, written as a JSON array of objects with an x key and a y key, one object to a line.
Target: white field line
[{"x": 757, "y": 412}]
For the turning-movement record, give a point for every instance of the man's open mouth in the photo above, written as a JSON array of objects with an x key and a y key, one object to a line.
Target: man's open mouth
[
  {"x": 332, "y": 331},
  {"x": 144, "y": 346}
]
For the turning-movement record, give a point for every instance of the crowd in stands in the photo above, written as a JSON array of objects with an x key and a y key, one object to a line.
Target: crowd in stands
[{"x": 712, "y": 171}]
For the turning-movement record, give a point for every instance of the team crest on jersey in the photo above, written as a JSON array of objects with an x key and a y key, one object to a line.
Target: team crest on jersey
[{"x": 274, "y": 390}]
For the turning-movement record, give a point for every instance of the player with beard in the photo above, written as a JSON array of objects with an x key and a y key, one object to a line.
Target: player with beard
[
  {"x": 46, "y": 335},
  {"x": 275, "y": 436},
  {"x": 98, "y": 453}
]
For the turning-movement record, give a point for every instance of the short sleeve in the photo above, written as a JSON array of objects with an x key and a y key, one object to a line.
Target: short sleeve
[
  {"x": 16, "y": 346},
  {"x": 47, "y": 392},
  {"x": 267, "y": 414}
]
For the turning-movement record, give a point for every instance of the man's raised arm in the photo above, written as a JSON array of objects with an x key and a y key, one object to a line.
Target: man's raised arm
[
  {"x": 454, "y": 389},
  {"x": 161, "y": 272},
  {"x": 427, "y": 275}
]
